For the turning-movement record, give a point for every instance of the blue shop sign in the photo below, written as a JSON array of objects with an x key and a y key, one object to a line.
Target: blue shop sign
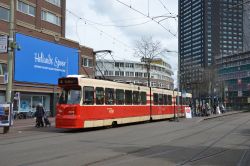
[{"x": 40, "y": 61}]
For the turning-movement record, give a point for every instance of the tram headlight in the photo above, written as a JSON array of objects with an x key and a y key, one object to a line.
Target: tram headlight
[{"x": 60, "y": 111}]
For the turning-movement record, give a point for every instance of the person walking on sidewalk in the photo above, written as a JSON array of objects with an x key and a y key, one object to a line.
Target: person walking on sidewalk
[{"x": 39, "y": 114}]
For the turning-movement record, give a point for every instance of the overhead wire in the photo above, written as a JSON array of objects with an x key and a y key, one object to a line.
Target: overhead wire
[
  {"x": 175, "y": 35},
  {"x": 172, "y": 14},
  {"x": 108, "y": 35},
  {"x": 77, "y": 34},
  {"x": 122, "y": 26}
]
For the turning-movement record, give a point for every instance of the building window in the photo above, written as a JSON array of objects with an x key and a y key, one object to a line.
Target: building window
[
  {"x": 87, "y": 62},
  {"x": 26, "y": 8},
  {"x": 51, "y": 18},
  {"x": 90, "y": 62},
  {"x": 55, "y": 2},
  {"x": 4, "y": 14},
  {"x": 3, "y": 68}
]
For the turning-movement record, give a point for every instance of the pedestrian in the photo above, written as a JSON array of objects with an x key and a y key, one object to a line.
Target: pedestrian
[
  {"x": 208, "y": 110},
  {"x": 222, "y": 108},
  {"x": 218, "y": 110},
  {"x": 39, "y": 114},
  {"x": 214, "y": 108}
]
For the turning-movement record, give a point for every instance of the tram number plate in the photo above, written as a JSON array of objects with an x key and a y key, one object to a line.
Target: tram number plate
[{"x": 111, "y": 110}]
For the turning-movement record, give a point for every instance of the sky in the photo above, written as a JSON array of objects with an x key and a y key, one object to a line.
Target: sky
[{"x": 116, "y": 25}]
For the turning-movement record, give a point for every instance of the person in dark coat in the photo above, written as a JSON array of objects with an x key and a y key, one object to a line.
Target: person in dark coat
[{"x": 39, "y": 114}]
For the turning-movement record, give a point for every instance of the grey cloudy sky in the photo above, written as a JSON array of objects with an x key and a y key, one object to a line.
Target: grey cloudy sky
[{"x": 109, "y": 24}]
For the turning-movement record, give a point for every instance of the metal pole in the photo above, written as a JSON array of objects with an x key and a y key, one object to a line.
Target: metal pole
[
  {"x": 150, "y": 90},
  {"x": 10, "y": 52},
  {"x": 178, "y": 63},
  {"x": 10, "y": 58}
]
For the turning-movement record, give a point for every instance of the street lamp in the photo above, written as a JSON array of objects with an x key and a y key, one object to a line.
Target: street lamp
[
  {"x": 178, "y": 83},
  {"x": 148, "y": 62}
]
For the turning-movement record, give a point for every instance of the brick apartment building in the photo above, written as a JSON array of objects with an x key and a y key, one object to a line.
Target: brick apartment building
[{"x": 45, "y": 54}]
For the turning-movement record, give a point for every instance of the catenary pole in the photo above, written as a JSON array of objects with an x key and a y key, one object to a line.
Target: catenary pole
[{"x": 11, "y": 46}]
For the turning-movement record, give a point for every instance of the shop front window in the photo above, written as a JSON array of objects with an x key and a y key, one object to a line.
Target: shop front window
[
  {"x": 36, "y": 100},
  {"x": 28, "y": 102},
  {"x": 25, "y": 103}
]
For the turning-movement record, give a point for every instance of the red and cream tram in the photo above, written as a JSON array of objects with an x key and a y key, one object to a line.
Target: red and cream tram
[{"x": 86, "y": 102}]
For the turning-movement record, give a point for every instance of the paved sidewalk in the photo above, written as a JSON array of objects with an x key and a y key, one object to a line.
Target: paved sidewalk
[
  {"x": 221, "y": 115},
  {"x": 20, "y": 125}
]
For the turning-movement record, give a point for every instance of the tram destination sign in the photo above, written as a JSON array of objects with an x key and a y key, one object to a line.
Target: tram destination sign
[{"x": 67, "y": 81}]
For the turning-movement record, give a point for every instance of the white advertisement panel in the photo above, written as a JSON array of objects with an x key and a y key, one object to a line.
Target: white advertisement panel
[
  {"x": 5, "y": 115},
  {"x": 188, "y": 112}
]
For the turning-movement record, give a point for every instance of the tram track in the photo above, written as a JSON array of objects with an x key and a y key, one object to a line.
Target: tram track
[
  {"x": 194, "y": 158},
  {"x": 198, "y": 156},
  {"x": 149, "y": 152}
]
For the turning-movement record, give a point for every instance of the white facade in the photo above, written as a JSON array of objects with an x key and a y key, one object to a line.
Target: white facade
[{"x": 136, "y": 72}]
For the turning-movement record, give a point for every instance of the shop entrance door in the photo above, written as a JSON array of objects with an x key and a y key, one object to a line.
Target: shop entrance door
[{"x": 35, "y": 101}]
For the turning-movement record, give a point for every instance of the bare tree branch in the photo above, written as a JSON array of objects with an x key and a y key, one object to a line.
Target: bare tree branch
[{"x": 147, "y": 48}]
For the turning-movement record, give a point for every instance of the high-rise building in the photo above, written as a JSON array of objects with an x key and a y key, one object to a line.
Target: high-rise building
[
  {"x": 246, "y": 25},
  {"x": 208, "y": 29}
]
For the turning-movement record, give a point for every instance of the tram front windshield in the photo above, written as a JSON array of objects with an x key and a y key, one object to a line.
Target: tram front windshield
[{"x": 70, "y": 96}]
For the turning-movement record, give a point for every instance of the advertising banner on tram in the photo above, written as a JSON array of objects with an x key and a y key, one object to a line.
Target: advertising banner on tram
[
  {"x": 5, "y": 115},
  {"x": 40, "y": 61}
]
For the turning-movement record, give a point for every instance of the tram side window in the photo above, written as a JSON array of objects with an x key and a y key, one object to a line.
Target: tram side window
[
  {"x": 88, "y": 92},
  {"x": 156, "y": 100},
  {"x": 188, "y": 101},
  {"x": 165, "y": 99},
  {"x": 128, "y": 97},
  {"x": 160, "y": 99},
  {"x": 119, "y": 96},
  {"x": 136, "y": 98},
  {"x": 99, "y": 96},
  {"x": 143, "y": 98},
  {"x": 169, "y": 100},
  {"x": 109, "y": 96},
  {"x": 181, "y": 100}
]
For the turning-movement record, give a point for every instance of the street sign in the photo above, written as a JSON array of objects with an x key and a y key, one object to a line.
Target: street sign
[
  {"x": 3, "y": 43},
  {"x": 5, "y": 78}
]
